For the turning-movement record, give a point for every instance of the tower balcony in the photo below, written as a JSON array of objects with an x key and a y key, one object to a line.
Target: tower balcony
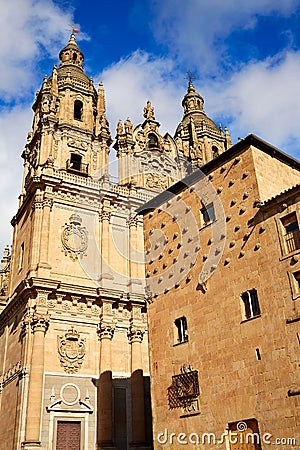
[{"x": 77, "y": 167}]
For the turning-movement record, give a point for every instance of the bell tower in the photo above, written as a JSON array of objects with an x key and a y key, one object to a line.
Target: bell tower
[
  {"x": 70, "y": 128},
  {"x": 73, "y": 326},
  {"x": 198, "y": 138}
]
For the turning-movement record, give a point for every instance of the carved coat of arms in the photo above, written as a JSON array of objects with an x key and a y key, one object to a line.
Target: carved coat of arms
[
  {"x": 71, "y": 350},
  {"x": 74, "y": 238}
]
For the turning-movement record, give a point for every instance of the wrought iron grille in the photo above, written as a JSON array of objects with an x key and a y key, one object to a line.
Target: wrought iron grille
[{"x": 184, "y": 389}]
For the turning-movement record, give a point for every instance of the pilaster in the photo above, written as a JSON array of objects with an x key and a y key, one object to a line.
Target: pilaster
[
  {"x": 104, "y": 391},
  {"x": 39, "y": 325},
  {"x": 135, "y": 336}
]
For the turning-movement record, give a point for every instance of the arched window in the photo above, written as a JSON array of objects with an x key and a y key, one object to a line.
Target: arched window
[
  {"x": 215, "y": 151},
  {"x": 152, "y": 141},
  {"x": 78, "y": 107},
  {"x": 74, "y": 56}
]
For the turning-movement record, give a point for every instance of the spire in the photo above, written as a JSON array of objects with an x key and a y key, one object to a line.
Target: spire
[
  {"x": 71, "y": 54},
  {"x": 54, "y": 85},
  {"x": 228, "y": 142},
  {"x": 192, "y": 101},
  {"x": 101, "y": 99},
  {"x": 102, "y": 124},
  {"x": 197, "y": 131},
  {"x": 191, "y": 87}
]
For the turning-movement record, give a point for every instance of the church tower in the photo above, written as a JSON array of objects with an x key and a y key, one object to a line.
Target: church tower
[
  {"x": 198, "y": 138},
  {"x": 73, "y": 328},
  {"x": 74, "y": 363},
  {"x": 147, "y": 159}
]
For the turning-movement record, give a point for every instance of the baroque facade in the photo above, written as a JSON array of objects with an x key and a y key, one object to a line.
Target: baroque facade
[
  {"x": 223, "y": 276},
  {"x": 74, "y": 369}
]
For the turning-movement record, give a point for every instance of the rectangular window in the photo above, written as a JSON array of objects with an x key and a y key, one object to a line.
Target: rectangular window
[
  {"x": 244, "y": 435},
  {"x": 296, "y": 276},
  {"x": 68, "y": 435},
  {"x": 291, "y": 232},
  {"x": 250, "y": 304},
  {"x": 207, "y": 214},
  {"x": 181, "y": 330},
  {"x": 75, "y": 162},
  {"x": 21, "y": 259}
]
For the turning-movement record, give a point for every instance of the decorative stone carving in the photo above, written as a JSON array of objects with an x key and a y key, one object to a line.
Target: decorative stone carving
[
  {"x": 105, "y": 215},
  {"x": 106, "y": 331},
  {"x": 135, "y": 335},
  {"x": 128, "y": 126},
  {"x": 71, "y": 350},
  {"x": 39, "y": 322},
  {"x": 5, "y": 271},
  {"x": 120, "y": 128},
  {"x": 156, "y": 181},
  {"x": 77, "y": 143},
  {"x": 149, "y": 111},
  {"x": 74, "y": 238}
]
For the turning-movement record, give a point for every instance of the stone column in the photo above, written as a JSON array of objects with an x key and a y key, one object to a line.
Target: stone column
[
  {"x": 137, "y": 388},
  {"x": 104, "y": 391},
  {"x": 39, "y": 325}
]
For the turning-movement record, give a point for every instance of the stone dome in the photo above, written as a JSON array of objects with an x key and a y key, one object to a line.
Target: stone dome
[
  {"x": 193, "y": 108},
  {"x": 71, "y": 54}
]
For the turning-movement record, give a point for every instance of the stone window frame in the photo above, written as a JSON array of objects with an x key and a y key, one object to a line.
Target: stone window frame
[
  {"x": 243, "y": 305},
  {"x": 295, "y": 287},
  {"x": 78, "y": 108},
  {"x": 180, "y": 329},
  {"x": 204, "y": 210},
  {"x": 280, "y": 231}
]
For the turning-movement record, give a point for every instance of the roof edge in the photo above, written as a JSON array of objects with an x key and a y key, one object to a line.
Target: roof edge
[{"x": 237, "y": 148}]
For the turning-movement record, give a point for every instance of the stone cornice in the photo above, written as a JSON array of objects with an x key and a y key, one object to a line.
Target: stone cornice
[{"x": 32, "y": 286}]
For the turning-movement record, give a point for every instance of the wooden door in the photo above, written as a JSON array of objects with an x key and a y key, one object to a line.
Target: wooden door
[{"x": 68, "y": 435}]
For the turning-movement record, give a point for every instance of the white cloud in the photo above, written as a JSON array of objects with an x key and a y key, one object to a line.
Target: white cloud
[
  {"x": 14, "y": 125},
  {"x": 262, "y": 98},
  {"x": 138, "y": 78},
  {"x": 31, "y": 30},
  {"x": 195, "y": 30}
]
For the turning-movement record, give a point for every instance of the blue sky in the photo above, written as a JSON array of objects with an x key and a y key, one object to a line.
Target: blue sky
[{"x": 245, "y": 56}]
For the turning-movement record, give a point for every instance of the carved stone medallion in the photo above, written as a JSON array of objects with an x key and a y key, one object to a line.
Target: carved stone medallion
[
  {"x": 74, "y": 238},
  {"x": 71, "y": 350},
  {"x": 156, "y": 181}
]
